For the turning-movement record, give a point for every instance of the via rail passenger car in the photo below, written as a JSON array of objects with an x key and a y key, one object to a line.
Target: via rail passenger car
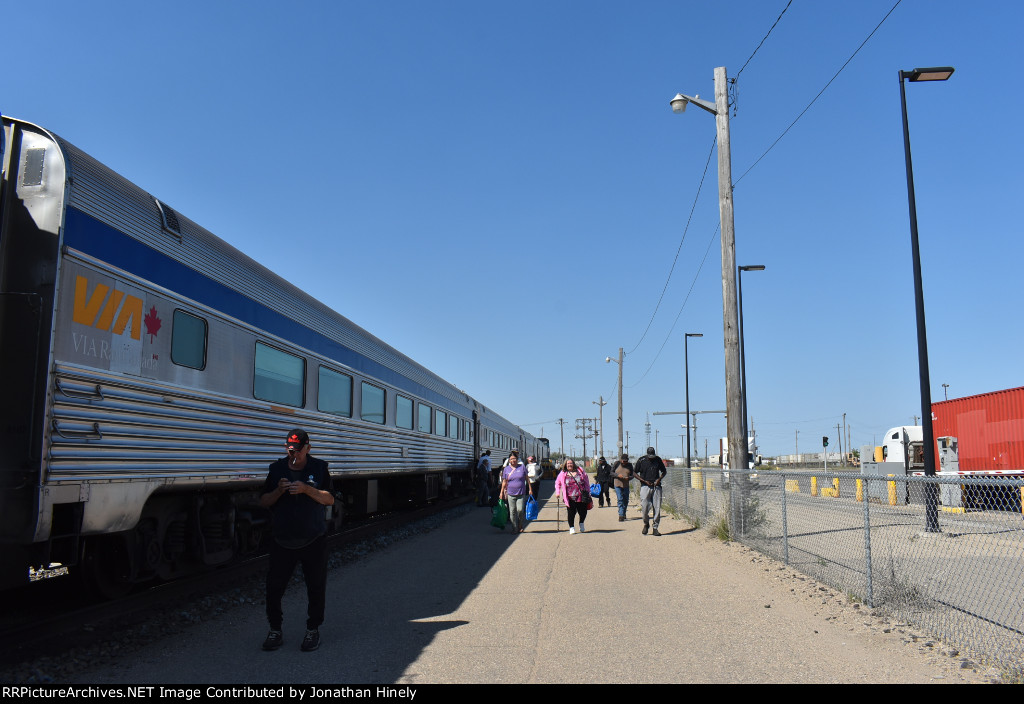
[{"x": 150, "y": 374}]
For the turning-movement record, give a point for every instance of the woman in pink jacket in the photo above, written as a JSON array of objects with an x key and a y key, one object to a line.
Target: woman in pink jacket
[{"x": 573, "y": 487}]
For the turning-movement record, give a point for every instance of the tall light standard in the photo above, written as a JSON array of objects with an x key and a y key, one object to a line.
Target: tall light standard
[
  {"x": 940, "y": 73},
  {"x": 686, "y": 362},
  {"x": 945, "y": 391},
  {"x": 619, "y": 362},
  {"x": 743, "y": 356},
  {"x": 730, "y": 313}
]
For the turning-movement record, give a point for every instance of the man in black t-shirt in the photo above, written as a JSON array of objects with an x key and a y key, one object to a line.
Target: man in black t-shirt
[
  {"x": 296, "y": 490},
  {"x": 650, "y": 470}
]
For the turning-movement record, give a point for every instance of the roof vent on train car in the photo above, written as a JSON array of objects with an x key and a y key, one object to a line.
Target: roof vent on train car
[{"x": 168, "y": 218}]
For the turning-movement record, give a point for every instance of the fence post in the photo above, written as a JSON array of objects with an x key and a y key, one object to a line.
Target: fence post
[
  {"x": 870, "y": 600},
  {"x": 785, "y": 525}
]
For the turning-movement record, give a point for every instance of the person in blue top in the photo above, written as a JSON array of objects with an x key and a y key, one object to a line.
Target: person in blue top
[
  {"x": 515, "y": 487},
  {"x": 296, "y": 491}
]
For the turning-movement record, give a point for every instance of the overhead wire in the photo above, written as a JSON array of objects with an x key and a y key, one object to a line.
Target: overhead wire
[
  {"x": 686, "y": 229},
  {"x": 818, "y": 95},
  {"x": 749, "y": 169},
  {"x": 692, "y": 284},
  {"x": 700, "y": 186}
]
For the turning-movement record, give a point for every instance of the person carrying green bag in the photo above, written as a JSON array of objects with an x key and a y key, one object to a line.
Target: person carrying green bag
[{"x": 499, "y": 515}]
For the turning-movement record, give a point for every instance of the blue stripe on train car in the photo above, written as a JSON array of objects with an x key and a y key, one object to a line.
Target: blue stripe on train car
[{"x": 99, "y": 240}]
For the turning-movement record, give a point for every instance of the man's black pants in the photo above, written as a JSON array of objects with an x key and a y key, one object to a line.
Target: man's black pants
[{"x": 314, "y": 569}]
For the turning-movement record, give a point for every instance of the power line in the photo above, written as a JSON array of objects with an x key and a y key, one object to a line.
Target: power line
[
  {"x": 692, "y": 283},
  {"x": 678, "y": 249},
  {"x": 668, "y": 280},
  {"x": 818, "y": 95},
  {"x": 765, "y": 38}
]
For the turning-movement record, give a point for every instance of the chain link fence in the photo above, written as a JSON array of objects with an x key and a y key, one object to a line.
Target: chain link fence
[{"x": 946, "y": 554}]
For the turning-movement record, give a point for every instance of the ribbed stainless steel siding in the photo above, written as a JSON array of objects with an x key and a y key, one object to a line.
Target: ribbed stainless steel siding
[{"x": 133, "y": 428}]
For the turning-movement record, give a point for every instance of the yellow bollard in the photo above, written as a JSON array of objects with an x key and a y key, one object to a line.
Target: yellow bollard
[
  {"x": 793, "y": 486},
  {"x": 698, "y": 477},
  {"x": 814, "y": 486},
  {"x": 835, "y": 486},
  {"x": 860, "y": 490},
  {"x": 892, "y": 491}
]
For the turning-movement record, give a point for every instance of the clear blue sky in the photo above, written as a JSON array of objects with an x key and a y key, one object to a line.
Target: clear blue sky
[{"x": 498, "y": 189}]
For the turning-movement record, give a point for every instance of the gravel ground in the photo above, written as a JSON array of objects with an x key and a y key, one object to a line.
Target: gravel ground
[
  {"x": 170, "y": 621},
  {"x": 830, "y": 606}
]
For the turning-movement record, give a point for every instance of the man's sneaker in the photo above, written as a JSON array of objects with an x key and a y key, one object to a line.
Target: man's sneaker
[
  {"x": 572, "y": 531},
  {"x": 644, "y": 531},
  {"x": 621, "y": 518},
  {"x": 655, "y": 532},
  {"x": 311, "y": 641},
  {"x": 274, "y": 640}
]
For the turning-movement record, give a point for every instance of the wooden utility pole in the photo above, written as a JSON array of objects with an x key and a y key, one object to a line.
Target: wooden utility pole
[{"x": 601, "y": 403}]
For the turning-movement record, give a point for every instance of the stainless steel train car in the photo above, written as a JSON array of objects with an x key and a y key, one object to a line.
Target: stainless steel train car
[{"x": 150, "y": 372}]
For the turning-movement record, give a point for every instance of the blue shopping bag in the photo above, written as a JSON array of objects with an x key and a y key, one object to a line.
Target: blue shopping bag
[
  {"x": 532, "y": 509},
  {"x": 595, "y": 489}
]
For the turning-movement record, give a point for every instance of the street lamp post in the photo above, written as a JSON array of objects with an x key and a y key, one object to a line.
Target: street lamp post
[
  {"x": 619, "y": 362},
  {"x": 686, "y": 362},
  {"x": 743, "y": 355},
  {"x": 941, "y": 73},
  {"x": 720, "y": 109}
]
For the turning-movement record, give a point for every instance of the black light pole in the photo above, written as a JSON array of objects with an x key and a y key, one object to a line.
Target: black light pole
[
  {"x": 941, "y": 73},
  {"x": 686, "y": 357},
  {"x": 743, "y": 356}
]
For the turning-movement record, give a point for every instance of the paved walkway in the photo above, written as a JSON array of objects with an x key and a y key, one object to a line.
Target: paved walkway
[{"x": 469, "y": 604}]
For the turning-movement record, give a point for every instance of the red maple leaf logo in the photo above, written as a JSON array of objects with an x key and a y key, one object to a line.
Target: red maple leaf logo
[{"x": 152, "y": 323}]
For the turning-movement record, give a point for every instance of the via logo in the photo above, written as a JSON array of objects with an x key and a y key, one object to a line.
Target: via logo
[{"x": 113, "y": 312}]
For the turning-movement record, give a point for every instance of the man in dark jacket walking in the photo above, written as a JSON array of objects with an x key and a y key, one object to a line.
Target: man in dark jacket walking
[
  {"x": 604, "y": 476},
  {"x": 650, "y": 470}
]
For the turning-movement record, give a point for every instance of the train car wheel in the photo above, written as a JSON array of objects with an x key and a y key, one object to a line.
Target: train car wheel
[{"x": 105, "y": 566}]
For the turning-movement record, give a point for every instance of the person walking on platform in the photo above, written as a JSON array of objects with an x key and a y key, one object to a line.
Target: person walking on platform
[
  {"x": 573, "y": 486},
  {"x": 533, "y": 472},
  {"x": 622, "y": 472},
  {"x": 296, "y": 490},
  {"x": 515, "y": 487},
  {"x": 483, "y": 479},
  {"x": 650, "y": 470},
  {"x": 604, "y": 479}
]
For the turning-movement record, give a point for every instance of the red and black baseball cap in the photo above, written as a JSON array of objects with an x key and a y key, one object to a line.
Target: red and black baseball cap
[{"x": 297, "y": 439}]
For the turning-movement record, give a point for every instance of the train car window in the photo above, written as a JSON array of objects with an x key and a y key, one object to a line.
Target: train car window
[
  {"x": 403, "y": 417},
  {"x": 279, "y": 376},
  {"x": 334, "y": 394},
  {"x": 188, "y": 340},
  {"x": 440, "y": 424},
  {"x": 453, "y": 427},
  {"x": 424, "y": 418},
  {"x": 372, "y": 407}
]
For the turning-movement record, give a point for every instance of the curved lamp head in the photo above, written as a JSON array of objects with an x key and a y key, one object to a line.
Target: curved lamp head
[{"x": 679, "y": 103}]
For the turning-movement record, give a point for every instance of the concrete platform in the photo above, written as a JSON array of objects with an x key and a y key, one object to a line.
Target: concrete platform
[{"x": 469, "y": 604}]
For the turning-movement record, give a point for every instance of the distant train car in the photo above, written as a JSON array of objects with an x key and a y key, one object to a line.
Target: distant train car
[{"x": 151, "y": 372}]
